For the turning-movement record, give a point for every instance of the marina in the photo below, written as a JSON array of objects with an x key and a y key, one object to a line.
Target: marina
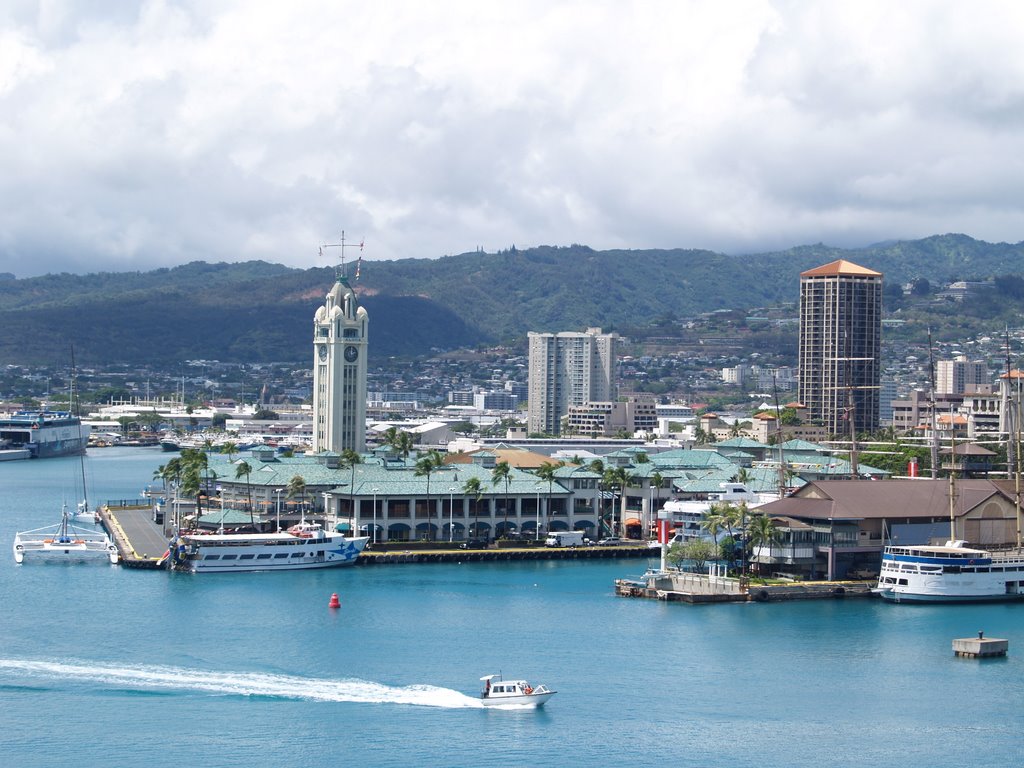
[{"x": 638, "y": 681}]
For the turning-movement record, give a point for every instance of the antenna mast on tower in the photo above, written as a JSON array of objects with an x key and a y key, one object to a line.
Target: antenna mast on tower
[{"x": 339, "y": 271}]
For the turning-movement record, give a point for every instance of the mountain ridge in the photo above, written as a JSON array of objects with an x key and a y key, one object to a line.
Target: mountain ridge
[{"x": 258, "y": 311}]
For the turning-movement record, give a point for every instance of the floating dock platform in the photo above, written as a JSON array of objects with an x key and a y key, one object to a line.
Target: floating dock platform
[{"x": 981, "y": 647}]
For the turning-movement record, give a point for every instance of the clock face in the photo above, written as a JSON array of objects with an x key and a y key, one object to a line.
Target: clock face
[
  {"x": 322, "y": 351},
  {"x": 351, "y": 353}
]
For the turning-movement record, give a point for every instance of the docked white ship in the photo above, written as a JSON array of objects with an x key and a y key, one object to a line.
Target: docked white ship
[
  {"x": 44, "y": 434},
  {"x": 306, "y": 545},
  {"x": 63, "y": 542},
  {"x": 950, "y": 573}
]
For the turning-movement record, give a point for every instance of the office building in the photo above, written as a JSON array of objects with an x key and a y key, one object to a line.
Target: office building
[
  {"x": 840, "y": 346},
  {"x": 568, "y": 369}
]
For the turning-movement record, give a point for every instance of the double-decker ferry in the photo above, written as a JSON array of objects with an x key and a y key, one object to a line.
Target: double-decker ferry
[
  {"x": 950, "y": 573},
  {"x": 306, "y": 545},
  {"x": 44, "y": 434}
]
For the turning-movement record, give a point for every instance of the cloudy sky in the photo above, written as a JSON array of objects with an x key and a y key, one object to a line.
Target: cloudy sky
[{"x": 144, "y": 134}]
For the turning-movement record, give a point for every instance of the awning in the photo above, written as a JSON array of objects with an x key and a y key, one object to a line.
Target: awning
[
  {"x": 633, "y": 521},
  {"x": 343, "y": 527}
]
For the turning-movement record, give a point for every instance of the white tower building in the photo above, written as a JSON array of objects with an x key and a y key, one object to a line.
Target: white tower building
[{"x": 340, "y": 333}]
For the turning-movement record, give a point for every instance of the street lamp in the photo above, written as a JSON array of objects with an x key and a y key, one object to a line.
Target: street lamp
[
  {"x": 277, "y": 492},
  {"x": 536, "y": 530},
  {"x": 451, "y": 515},
  {"x": 375, "y": 492}
]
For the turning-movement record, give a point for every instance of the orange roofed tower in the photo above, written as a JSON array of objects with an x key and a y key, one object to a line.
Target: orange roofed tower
[{"x": 840, "y": 345}]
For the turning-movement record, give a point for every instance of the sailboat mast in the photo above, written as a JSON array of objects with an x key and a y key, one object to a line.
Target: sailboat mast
[
  {"x": 935, "y": 430},
  {"x": 952, "y": 480},
  {"x": 74, "y": 403}
]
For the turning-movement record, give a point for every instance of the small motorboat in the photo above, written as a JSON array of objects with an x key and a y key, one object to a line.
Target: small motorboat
[{"x": 513, "y": 694}]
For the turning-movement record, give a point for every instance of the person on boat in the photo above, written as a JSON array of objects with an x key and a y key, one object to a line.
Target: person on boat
[{"x": 487, "y": 688}]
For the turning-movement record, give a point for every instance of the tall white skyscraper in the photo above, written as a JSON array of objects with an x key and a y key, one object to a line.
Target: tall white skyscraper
[
  {"x": 568, "y": 369},
  {"x": 340, "y": 334}
]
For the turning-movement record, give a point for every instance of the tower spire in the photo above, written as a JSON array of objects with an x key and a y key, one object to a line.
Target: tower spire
[{"x": 339, "y": 269}]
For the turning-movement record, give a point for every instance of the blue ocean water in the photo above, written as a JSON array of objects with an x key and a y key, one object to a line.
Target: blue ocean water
[{"x": 103, "y": 666}]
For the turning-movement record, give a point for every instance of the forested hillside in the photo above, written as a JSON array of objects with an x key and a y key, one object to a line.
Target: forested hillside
[{"x": 260, "y": 312}]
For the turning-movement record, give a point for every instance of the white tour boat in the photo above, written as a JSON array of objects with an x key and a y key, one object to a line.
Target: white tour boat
[
  {"x": 949, "y": 573},
  {"x": 306, "y": 545},
  {"x": 63, "y": 542},
  {"x": 513, "y": 694}
]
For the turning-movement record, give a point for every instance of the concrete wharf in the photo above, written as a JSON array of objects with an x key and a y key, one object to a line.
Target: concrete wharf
[
  {"x": 139, "y": 540},
  {"x": 699, "y": 588},
  {"x": 142, "y": 543}
]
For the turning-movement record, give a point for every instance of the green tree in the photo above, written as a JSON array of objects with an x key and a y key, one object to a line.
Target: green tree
[
  {"x": 621, "y": 478},
  {"x": 474, "y": 490},
  {"x": 400, "y": 442},
  {"x": 244, "y": 469},
  {"x": 349, "y": 460},
  {"x": 502, "y": 472},
  {"x": 297, "y": 489},
  {"x": 229, "y": 447},
  {"x": 427, "y": 464},
  {"x": 698, "y": 551},
  {"x": 547, "y": 473},
  {"x": 762, "y": 532}
]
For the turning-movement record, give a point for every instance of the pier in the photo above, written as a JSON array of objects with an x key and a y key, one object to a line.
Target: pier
[
  {"x": 139, "y": 540},
  {"x": 142, "y": 543},
  {"x": 699, "y": 588}
]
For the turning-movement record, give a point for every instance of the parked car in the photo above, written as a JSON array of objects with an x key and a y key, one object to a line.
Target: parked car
[
  {"x": 611, "y": 541},
  {"x": 475, "y": 544}
]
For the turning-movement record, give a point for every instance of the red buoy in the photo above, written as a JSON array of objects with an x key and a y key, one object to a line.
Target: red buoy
[{"x": 335, "y": 602}]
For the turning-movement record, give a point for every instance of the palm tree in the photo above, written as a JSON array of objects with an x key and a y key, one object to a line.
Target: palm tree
[
  {"x": 656, "y": 481},
  {"x": 400, "y": 442},
  {"x": 349, "y": 458},
  {"x": 425, "y": 466},
  {"x": 621, "y": 478},
  {"x": 714, "y": 521},
  {"x": 743, "y": 476},
  {"x": 547, "y": 472},
  {"x": 195, "y": 465},
  {"x": 243, "y": 469},
  {"x": 473, "y": 489},
  {"x": 762, "y": 532},
  {"x": 230, "y": 448},
  {"x": 297, "y": 487},
  {"x": 502, "y": 472}
]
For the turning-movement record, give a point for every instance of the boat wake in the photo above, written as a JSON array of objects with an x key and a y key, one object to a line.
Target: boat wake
[{"x": 171, "y": 679}]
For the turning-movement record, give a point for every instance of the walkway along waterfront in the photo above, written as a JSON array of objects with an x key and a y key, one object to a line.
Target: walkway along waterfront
[{"x": 142, "y": 544}]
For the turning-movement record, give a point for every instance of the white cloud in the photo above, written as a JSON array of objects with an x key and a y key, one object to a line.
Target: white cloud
[{"x": 153, "y": 133}]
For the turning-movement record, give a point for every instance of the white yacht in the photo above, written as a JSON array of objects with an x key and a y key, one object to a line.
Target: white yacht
[
  {"x": 63, "y": 542},
  {"x": 512, "y": 694},
  {"x": 949, "y": 573},
  {"x": 306, "y": 545}
]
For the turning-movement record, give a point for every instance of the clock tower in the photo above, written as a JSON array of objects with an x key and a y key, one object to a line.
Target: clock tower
[{"x": 339, "y": 372}]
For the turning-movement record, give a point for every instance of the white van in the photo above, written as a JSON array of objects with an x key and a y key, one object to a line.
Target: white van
[{"x": 566, "y": 539}]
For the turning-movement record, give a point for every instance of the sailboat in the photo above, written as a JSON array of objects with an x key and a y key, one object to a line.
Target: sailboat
[{"x": 64, "y": 541}]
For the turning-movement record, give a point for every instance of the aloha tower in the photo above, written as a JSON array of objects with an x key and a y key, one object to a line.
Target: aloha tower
[{"x": 340, "y": 333}]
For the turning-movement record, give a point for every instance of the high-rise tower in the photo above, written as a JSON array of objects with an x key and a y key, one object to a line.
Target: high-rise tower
[
  {"x": 840, "y": 345},
  {"x": 340, "y": 332},
  {"x": 568, "y": 369}
]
